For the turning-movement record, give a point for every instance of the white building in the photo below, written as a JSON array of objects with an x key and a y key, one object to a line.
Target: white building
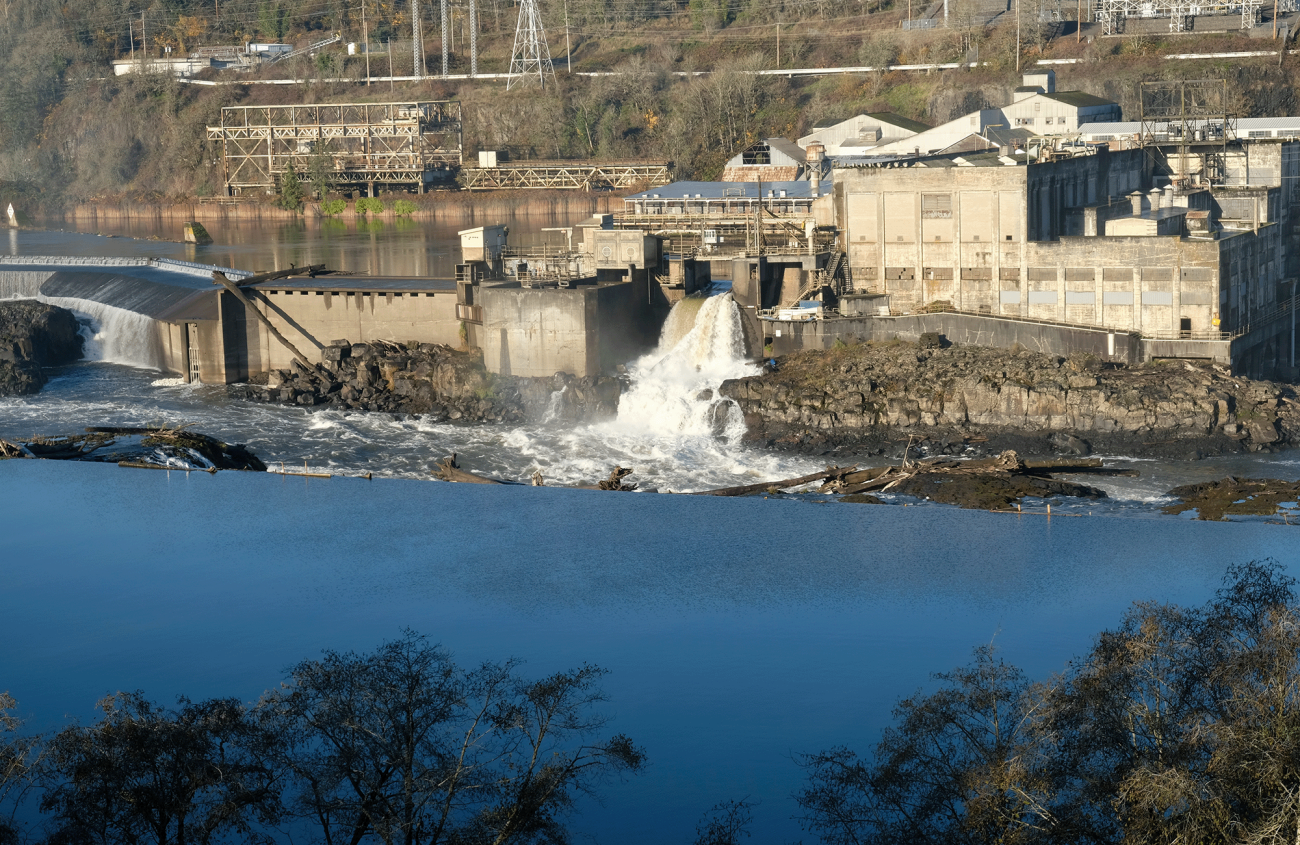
[
  {"x": 860, "y": 134},
  {"x": 1037, "y": 107}
]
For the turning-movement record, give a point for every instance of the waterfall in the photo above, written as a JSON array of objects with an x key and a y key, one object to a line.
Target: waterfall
[
  {"x": 674, "y": 389},
  {"x": 115, "y": 335}
]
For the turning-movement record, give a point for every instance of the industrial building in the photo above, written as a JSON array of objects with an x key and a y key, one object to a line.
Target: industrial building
[{"x": 1178, "y": 235}]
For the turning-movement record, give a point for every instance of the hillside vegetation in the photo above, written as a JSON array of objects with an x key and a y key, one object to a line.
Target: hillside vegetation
[{"x": 72, "y": 132}]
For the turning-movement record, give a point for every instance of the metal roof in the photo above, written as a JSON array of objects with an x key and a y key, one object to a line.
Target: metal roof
[
  {"x": 801, "y": 189},
  {"x": 355, "y": 284},
  {"x": 790, "y": 148},
  {"x": 1287, "y": 125},
  {"x": 899, "y": 121},
  {"x": 1079, "y": 99}
]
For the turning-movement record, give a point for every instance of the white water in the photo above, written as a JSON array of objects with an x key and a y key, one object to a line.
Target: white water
[
  {"x": 674, "y": 388},
  {"x": 673, "y": 434},
  {"x": 115, "y": 335}
]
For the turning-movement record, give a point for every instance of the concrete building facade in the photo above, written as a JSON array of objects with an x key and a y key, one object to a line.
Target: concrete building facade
[{"x": 1074, "y": 238}]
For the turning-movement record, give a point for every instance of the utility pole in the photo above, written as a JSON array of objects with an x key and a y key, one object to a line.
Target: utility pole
[
  {"x": 778, "y": 44},
  {"x": 390, "y": 63},
  {"x": 568, "y": 53},
  {"x": 1275, "y": 38},
  {"x": 130, "y": 28},
  {"x": 1078, "y": 21},
  {"x": 1017, "y": 36},
  {"x": 445, "y": 35},
  {"x": 144, "y": 39},
  {"x": 365, "y": 36}
]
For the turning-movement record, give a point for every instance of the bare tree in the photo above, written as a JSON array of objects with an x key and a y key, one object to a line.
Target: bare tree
[
  {"x": 148, "y": 774},
  {"x": 726, "y": 823},
  {"x": 403, "y": 746},
  {"x": 20, "y": 755},
  {"x": 963, "y": 765}
]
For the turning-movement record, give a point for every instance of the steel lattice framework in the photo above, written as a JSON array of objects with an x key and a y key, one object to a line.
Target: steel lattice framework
[
  {"x": 393, "y": 144},
  {"x": 1187, "y": 119},
  {"x": 531, "y": 57},
  {"x": 1181, "y": 13},
  {"x": 417, "y": 40},
  {"x": 572, "y": 175}
]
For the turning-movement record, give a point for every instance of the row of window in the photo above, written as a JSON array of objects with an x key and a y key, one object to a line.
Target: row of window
[
  {"x": 1029, "y": 121},
  {"x": 1050, "y": 297}
]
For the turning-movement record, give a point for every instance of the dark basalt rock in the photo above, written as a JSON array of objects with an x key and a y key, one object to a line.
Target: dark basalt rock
[
  {"x": 1218, "y": 500},
  {"x": 438, "y": 382},
  {"x": 870, "y": 398},
  {"x": 34, "y": 335}
]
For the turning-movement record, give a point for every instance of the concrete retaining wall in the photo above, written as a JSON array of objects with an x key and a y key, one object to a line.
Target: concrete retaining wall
[
  {"x": 310, "y": 319},
  {"x": 585, "y": 331},
  {"x": 962, "y": 329}
]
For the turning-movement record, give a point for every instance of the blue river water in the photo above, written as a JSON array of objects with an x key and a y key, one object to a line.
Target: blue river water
[{"x": 738, "y": 633}]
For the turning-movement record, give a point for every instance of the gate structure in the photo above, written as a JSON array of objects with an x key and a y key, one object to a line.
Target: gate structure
[{"x": 352, "y": 145}]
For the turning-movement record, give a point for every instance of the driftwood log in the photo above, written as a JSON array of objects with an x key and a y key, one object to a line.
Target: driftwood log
[
  {"x": 829, "y": 474},
  {"x": 448, "y": 470},
  {"x": 615, "y": 480}
]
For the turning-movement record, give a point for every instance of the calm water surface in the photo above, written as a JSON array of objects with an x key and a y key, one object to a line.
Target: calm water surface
[{"x": 738, "y": 632}]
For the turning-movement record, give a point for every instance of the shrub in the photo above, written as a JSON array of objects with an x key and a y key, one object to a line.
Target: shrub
[
  {"x": 403, "y": 207},
  {"x": 369, "y": 204},
  {"x": 291, "y": 193},
  {"x": 332, "y": 207}
]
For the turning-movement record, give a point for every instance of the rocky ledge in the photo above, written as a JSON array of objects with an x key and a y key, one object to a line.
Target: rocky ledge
[
  {"x": 435, "y": 381},
  {"x": 874, "y": 398},
  {"x": 34, "y": 335}
]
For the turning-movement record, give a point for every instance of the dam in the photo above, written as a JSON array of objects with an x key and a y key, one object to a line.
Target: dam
[{"x": 582, "y": 311}]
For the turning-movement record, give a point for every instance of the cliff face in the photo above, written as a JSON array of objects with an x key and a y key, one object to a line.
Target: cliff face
[
  {"x": 34, "y": 335},
  {"x": 868, "y": 396}
]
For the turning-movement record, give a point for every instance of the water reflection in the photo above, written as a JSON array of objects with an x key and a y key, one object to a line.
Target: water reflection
[{"x": 393, "y": 247}]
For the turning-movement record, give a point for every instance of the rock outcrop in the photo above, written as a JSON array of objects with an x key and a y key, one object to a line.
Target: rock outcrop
[
  {"x": 436, "y": 381},
  {"x": 34, "y": 335},
  {"x": 873, "y": 397}
]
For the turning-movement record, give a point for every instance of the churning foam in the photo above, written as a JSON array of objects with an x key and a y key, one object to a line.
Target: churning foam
[
  {"x": 674, "y": 388},
  {"x": 115, "y": 335}
]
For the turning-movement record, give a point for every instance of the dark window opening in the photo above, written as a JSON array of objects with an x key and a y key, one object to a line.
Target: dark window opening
[
  {"x": 757, "y": 154},
  {"x": 1185, "y": 327}
]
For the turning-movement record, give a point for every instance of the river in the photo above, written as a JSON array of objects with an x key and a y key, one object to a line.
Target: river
[{"x": 738, "y": 632}]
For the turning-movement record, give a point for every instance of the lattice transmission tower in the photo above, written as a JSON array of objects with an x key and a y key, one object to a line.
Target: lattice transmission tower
[
  {"x": 417, "y": 40},
  {"x": 531, "y": 57}
]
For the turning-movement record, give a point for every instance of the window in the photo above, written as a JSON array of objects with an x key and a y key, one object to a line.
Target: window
[{"x": 936, "y": 206}]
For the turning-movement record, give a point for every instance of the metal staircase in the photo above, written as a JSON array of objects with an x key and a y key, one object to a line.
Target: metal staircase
[{"x": 309, "y": 49}]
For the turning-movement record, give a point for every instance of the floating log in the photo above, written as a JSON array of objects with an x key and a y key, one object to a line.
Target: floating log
[
  {"x": 311, "y": 270},
  {"x": 747, "y": 489},
  {"x": 448, "y": 470},
  {"x": 147, "y": 465}
]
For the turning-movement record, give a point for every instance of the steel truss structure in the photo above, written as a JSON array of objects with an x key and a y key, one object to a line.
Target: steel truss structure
[
  {"x": 572, "y": 175},
  {"x": 531, "y": 57},
  {"x": 1186, "y": 122},
  {"x": 359, "y": 144},
  {"x": 1181, "y": 13}
]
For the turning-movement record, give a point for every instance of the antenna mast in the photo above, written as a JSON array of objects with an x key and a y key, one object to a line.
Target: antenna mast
[{"x": 531, "y": 58}]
